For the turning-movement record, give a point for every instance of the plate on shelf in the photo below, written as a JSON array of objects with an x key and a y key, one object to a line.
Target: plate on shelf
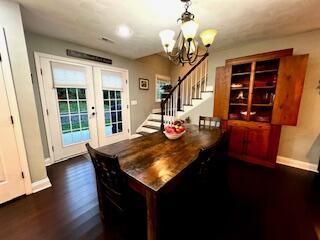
[{"x": 236, "y": 85}]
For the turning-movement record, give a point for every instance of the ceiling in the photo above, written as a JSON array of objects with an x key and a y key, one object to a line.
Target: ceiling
[{"x": 237, "y": 21}]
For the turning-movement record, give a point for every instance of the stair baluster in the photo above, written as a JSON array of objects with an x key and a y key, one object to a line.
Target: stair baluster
[{"x": 182, "y": 95}]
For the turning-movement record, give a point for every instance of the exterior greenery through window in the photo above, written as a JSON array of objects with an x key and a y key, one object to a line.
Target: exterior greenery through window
[
  {"x": 73, "y": 115},
  {"x": 112, "y": 112},
  {"x": 160, "y": 82}
]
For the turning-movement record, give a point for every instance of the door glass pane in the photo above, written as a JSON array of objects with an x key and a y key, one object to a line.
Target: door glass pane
[
  {"x": 73, "y": 115},
  {"x": 113, "y": 112}
]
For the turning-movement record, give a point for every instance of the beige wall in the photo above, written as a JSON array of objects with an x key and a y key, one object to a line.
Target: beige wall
[
  {"x": 10, "y": 19},
  {"x": 303, "y": 141},
  {"x": 144, "y": 68}
]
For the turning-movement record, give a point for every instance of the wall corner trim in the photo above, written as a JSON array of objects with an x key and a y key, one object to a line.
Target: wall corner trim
[
  {"x": 41, "y": 185},
  {"x": 297, "y": 164},
  {"x": 48, "y": 161}
]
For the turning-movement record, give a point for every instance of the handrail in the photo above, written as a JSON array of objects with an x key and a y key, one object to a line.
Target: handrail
[{"x": 180, "y": 80}]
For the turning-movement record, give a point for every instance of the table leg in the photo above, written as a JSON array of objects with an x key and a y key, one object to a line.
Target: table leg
[{"x": 152, "y": 215}]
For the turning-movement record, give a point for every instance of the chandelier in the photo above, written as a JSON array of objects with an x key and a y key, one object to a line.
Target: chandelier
[{"x": 185, "y": 49}]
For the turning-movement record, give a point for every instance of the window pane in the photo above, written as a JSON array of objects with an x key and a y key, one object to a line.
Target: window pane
[
  {"x": 112, "y": 95},
  {"x": 107, "y": 105},
  {"x": 75, "y": 122},
  {"x": 73, "y": 107},
  {"x": 83, "y": 106},
  {"x": 114, "y": 128},
  {"x": 119, "y": 127},
  {"x": 63, "y": 107},
  {"x": 119, "y": 116},
  {"x": 118, "y": 104},
  {"x": 105, "y": 94},
  {"x": 81, "y": 93},
  {"x": 62, "y": 93},
  {"x": 107, "y": 118},
  {"x": 84, "y": 121},
  {"x": 113, "y": 116},
  {"x": 118, "y": 94},
  {"x": 65, "y": 124},
  {"x": 113, "y": 105},
  {"x": 72, "y": 93}
]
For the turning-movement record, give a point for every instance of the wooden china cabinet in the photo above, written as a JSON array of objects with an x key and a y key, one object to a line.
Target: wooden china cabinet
[{"x": 255, "y": 96}]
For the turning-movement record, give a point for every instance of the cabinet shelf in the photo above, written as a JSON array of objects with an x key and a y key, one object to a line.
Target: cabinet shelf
[
  {"x": 241, "y": 73},
  {"x": 265, "y": 87},
  {"x": 267, "y": 71},
  {"x": 238, "y": 104},
  {"x": 262, "y": 104},
  {"x": 239, "y": 88}
]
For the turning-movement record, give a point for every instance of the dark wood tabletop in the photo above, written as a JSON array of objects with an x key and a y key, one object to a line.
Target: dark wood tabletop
[{"x": 154, "y": 160}]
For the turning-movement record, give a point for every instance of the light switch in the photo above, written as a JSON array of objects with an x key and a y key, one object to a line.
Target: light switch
[{"x": 134, "y": 102}]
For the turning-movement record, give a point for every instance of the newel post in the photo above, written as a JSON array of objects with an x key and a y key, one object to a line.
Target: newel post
[
  {"x": 162, "y": 114},
  {"x": 179, "y": 95}
]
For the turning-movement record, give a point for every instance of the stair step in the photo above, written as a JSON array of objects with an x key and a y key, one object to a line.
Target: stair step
[
  {"x": 207, "y": 91},
  {"x": 187, "y": 105},
  {"x": 155, "y": 120},
  {"x": 152, "y": 127},
  {"x": 143, "y": 133},
  {"x": 197, "y": 98}
]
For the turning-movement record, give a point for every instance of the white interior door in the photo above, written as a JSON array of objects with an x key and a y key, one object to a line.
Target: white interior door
[
  {"x": 111, "y": 93},
  {"x": 11, "y": 181},
  {"x": 69, "y": 96}
]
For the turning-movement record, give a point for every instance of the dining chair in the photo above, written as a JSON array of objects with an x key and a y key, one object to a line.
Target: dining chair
[
  {"x": 212, "y": 160},
  {"x": 212, "y": 122},
  {"x": 112, "y": 186}
]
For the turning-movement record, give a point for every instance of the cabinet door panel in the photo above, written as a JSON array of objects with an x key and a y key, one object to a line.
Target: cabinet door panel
[
  {"x": 291, "y": 75},
  {"x": 236, "y": 141},
  {"x": 222, "y": 92},
  {"x": 258, "y": 143}
]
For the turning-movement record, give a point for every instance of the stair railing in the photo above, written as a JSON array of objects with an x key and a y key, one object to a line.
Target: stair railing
[{"x": 187, "y": 88}]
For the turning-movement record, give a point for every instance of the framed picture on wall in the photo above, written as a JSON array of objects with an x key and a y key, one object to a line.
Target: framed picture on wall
[{"x": 143, "y": 83}]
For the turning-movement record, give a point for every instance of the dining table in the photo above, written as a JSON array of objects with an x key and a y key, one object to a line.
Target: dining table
[{"x": 153, "y": 163}]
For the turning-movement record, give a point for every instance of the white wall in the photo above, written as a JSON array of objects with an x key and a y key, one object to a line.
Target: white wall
[
  {"x": 10, "y": 19},
  {"x": 303, "y": 141}
]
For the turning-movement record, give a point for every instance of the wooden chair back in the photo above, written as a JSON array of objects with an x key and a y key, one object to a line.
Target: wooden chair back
[
  {"x": 209, "y": 121},
  {"x": 111, "y": 182}
]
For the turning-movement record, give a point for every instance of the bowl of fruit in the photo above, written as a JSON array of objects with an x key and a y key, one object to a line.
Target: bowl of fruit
[{"x": 175, "y": 130}]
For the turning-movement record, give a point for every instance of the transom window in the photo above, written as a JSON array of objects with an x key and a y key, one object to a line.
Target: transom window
[{"x": 160, "y": 82}]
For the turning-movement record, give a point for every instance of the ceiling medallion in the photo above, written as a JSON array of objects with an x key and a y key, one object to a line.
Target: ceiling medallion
[{"x": 185, "y": 49}]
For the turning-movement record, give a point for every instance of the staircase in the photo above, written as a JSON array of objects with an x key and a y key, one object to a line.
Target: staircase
[{"x": 189, "y": 92}]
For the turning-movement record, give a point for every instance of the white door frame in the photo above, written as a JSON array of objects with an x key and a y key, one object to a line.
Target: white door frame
[
  {"x": 13, "y": 105},
  {"x": 37, "y": 56}
]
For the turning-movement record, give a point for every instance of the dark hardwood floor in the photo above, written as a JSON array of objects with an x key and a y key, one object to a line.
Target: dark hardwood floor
[{"x": 256, "y": 203}]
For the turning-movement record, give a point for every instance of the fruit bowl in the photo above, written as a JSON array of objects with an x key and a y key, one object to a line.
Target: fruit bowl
[
  {"x": 173, "y": 136},
  {"x": 175, "y": 130}
]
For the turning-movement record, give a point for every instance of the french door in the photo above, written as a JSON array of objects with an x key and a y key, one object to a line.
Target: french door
[{"x": 84, "y": 104}]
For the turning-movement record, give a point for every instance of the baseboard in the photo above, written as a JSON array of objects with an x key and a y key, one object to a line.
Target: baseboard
[
  {"x": 297, "y": 164},
  {"x": 41, "y": 185},
  {"x": 48, "y": 161}
]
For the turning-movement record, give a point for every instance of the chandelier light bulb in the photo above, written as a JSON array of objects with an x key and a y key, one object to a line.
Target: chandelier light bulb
[
  {"x": 166, "y": 37},
  {"x": 207, "y": 36},
  {"x": 189, "y": 29}
]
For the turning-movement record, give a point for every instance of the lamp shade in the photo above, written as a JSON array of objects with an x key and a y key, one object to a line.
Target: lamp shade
[
  {"x": 171, "y": 46},
  {"x": 166, "y": 37},
  {"x": 189, "y": 29},
  {"x": 207, "y": 36}
]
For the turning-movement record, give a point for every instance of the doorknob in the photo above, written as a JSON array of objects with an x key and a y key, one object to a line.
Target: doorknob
[{"x": 93, "y": 113}]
